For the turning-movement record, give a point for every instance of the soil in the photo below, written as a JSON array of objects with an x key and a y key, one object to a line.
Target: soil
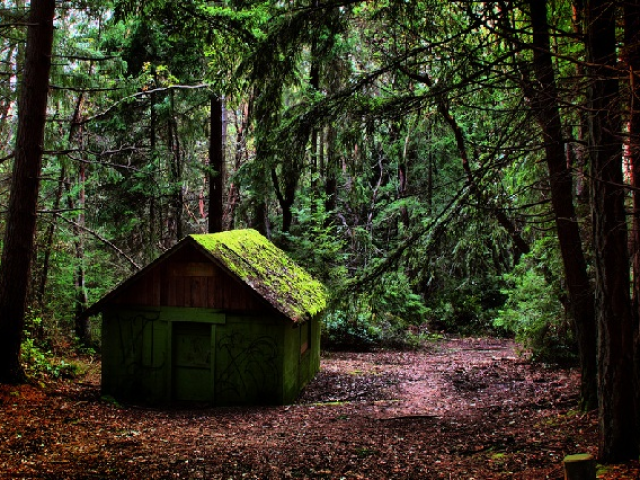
[{"x": 461, "y": 409}]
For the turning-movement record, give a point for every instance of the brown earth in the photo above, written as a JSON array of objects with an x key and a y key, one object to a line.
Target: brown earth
[{"x": 462, "y": 409}]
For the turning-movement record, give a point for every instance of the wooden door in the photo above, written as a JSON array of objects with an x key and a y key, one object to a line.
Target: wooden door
[{"x": 192, "y": 362}]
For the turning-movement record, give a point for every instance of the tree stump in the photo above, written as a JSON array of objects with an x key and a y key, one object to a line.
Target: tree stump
[{"x": 581, "y": 466}]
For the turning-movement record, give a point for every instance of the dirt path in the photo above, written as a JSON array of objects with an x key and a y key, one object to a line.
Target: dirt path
[{"x": 466, "y": 409}]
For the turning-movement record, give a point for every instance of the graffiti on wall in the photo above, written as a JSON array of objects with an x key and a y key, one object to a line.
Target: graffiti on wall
[
  {"x": 250, "y": 369},
  {"x": 138, "y": 358}
]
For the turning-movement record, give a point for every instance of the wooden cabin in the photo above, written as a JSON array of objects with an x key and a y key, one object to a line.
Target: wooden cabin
[{"x": 224, "y": 319}]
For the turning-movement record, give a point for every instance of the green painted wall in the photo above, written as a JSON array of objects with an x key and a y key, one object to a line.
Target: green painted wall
[
  {"x": 160, "y": 355},
  {"x": 249, "y": 361},
  {"x": 133, "y": 367}
]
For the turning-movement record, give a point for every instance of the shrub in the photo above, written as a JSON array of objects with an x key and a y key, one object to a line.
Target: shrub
[
  {"x": 469, "y": 309},
  {"x": 389, "y": 315},
  {"x": 534, "y": 311}
]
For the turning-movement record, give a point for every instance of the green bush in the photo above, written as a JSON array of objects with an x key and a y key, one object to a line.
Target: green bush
[
  {"x": 389, "y": 315},
  {"x": 39, "y": 363},
  {"x": 468, "y": 309},
  {"x": 534, "y": 311},
  {"x": 37, "y": 354}
]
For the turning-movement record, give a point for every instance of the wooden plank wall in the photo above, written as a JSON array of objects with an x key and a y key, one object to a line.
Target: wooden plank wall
[{"x": 189, "y": 279}]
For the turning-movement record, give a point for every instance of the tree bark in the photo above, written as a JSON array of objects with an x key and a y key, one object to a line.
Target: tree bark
[
  {"x": 176, "y": 172},
  {"x": 48, "y": 242},
  {"x": 216, "y": 165},
  {"x": 581, "y": 295},
  {"x": 631, "y": 57},
  {"x": 287, "y": 198},
  {"x": 331, "y": 175},
  {"x": 241, "y": 156},
  {"x": 25, "y": 183},
  {"x": 617, "y": 440},
  {"x": 81, "y": 299}
]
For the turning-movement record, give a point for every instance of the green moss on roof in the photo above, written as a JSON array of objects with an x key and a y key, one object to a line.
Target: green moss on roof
[{"x": 267, "y": 270}]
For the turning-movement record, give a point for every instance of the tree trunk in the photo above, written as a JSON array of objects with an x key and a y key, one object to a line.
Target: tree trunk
[
  {"x": 331, "y": 175},
  {"x": 581, "y": 295},
  {"x": 631, "y": 57},
  {"x": 241, "y": 155},
  {"x": 81, "y": 300},
  {"x": 82, "y": 325},
  {"x": 176, "y": 171},
  {"x": 25, "y": 183},
  {"x": 216, "y": 165},
  {"x": 286, "y": 197},
  {"x": 616, "y": 413},
  {"x": 48, "y": 242}
]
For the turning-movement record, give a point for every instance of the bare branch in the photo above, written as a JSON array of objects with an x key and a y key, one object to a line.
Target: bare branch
[
  {"x": 101, "y": 238},
  {"x": 8, "y": 157},
  {"x": 86, "y": 58},
  {"x": 83, "y": 89},
  {"x": 145, "y": 93}
]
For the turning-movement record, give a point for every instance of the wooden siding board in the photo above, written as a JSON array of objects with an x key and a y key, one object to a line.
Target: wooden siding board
[
  {"x": 210, "y": 291},
  {"x": 219, "y": 290},
  {"x": 249, "y": 353},
  {"x": 156, "y": 287},
  {"x": 201, "y": 283},
  {"x": 178, "y": 287},
  {"x": 185, "y": 281},
  {"x": 163, "y": 281}
]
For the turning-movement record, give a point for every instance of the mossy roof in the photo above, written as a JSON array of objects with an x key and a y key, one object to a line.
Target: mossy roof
[
  {"x": 267, "y": 270},
  {"x": 257, "y": 263}
]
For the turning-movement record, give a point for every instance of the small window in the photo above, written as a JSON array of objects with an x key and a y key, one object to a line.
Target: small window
[{"x": 305, "y": 337}]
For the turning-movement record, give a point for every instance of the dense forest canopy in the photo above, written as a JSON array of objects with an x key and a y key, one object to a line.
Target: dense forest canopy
[{"x": 440, "y": 166}]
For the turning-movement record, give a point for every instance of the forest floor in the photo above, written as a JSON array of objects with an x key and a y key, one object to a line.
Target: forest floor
[{"x": 460, "y": 409}]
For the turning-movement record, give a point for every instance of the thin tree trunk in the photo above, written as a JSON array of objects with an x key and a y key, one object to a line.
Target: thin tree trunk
[
  {"x": 631, "y": 57},
  {"x": 6, "y": 102},
  {"x": 581, "y": 295},
  {"x": 48, "y": 242},
  {"x": 76, "y": 123},
  {"x": 617, "y": 440},
  {"x": 241, "y": 155},
  {"x": 81, "y": 299},
  {"x": 176, "y": 170},
  {"x": 331, "y": 174},
  {"x": 286, "y": 197},
  {"x": 316, "y": 133},
  {"x": 82, "y": 327},
  {"x": 216, "y": 165},
  {"x": 154, "y": 206},
  {"x": 25, "y": 184},
  {"x": 260, "y": 218}
]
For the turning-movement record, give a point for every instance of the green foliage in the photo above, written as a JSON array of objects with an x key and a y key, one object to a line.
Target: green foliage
[
  {"x": 40, "y": 363},
  {"x": 329, "y": 111},
  {"x": 38, "y": 358},
  {"x": 468, "y": 309},
  {"x": 534, "y": 311},
  {"x": 390, "y": 315}
]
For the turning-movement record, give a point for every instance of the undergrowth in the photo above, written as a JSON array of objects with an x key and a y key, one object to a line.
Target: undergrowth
[{"x": 48, "y": 355}]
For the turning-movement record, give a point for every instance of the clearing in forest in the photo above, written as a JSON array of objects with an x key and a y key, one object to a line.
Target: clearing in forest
[{"x": 461, "y": 409}]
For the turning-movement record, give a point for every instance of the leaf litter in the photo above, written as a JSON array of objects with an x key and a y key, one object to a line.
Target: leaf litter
[{"x": 461, "y": 409}]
